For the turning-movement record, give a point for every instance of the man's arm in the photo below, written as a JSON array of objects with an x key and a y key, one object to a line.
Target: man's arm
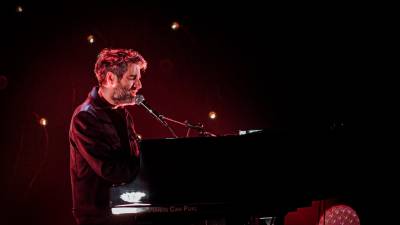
[{"x": 89, "y": 138}]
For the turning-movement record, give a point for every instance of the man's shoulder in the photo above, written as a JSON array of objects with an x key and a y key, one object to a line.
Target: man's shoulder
[
  {"x": 90, "y": 111},
  {"x": 89, "y": 106},
  {"x": 84, "y": 108}
]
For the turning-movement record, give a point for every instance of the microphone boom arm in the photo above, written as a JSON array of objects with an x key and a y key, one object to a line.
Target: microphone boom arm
[
  {"x": 139, "y": 100},
  {"x": 160, "y": 118},
  {"x": 199, "y": 127}
]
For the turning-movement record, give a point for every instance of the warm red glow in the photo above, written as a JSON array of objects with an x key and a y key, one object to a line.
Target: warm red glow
[
  {"x": 3, "y": 82},
  {"x": 212, "y": 115},
  {"x": 43, "y": 122},
  {"x": 175, "y": 26},
  {"x": 90, "y": 39},
  {"x": 339, "y": 215}
]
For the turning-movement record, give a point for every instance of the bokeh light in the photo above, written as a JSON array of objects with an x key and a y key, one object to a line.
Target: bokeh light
[
  {"x": 90, "y": 39},
  {"x": 43, "y": 122},
  {"x": 212, "y": 115},
  {"x": 175, "y": 25}
]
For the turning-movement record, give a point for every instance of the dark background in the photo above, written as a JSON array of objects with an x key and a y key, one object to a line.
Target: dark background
[{"x": 258, "y": 66}]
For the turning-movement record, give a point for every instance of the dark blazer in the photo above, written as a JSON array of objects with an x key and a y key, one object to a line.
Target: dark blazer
[{"x": 103, "y": 152}]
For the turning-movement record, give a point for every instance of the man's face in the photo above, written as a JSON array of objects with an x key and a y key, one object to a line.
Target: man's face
[{"x": 127, "y": 87}]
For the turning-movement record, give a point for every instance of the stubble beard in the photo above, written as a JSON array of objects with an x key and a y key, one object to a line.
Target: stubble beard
[{"x": 122, "y": 95}]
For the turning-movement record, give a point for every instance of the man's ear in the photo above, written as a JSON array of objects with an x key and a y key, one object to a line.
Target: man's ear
[{"x": 110, "y": 79}]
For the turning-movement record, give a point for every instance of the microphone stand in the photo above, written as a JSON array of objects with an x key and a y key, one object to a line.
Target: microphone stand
[
  {"x": 160, "y": 118},
  {"x": 139, "y": 100},
  {"x": 199, "y": 127}
]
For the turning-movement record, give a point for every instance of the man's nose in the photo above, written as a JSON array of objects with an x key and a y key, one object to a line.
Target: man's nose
[{"x": 138, "y": 84}]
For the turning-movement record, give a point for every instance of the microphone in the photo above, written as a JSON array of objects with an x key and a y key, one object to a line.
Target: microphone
[{"x": 139, "y": 100}]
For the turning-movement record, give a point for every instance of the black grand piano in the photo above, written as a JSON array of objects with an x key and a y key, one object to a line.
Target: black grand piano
[{"x": 230, "y": 179}]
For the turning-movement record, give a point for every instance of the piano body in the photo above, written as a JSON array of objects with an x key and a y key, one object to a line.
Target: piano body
[{"x": 233, "y": 178}]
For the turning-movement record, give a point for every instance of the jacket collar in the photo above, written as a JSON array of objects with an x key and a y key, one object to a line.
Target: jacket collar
[{"x": 97, "y": 101}]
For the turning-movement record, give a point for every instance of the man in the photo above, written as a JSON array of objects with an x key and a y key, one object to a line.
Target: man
[{"x": 103, "y": 143}]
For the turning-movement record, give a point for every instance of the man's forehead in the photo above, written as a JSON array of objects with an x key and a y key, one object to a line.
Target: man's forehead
[{"x": 135, "y": 66}]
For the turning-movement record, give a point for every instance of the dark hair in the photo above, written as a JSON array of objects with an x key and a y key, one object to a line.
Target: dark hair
[{"x": 116, "y": 61}]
